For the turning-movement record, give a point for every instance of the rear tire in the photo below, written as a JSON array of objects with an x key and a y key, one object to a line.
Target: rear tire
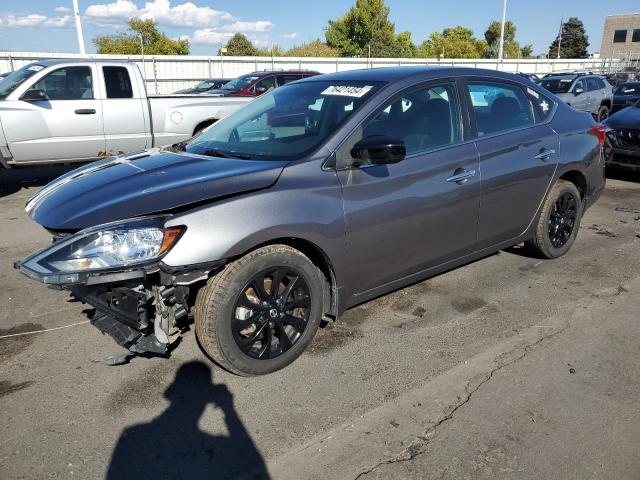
[
  {"x": 559, "y": 221},
  {"x": 603, "y": 113},
  {"x": 250, "y": 332}
]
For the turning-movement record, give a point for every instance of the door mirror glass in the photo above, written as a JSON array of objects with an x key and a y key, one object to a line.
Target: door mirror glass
[
  {"x": 378, "y": 150},
  {"x": 34, "y": 95},
  {"x": 578, "y": 91}
]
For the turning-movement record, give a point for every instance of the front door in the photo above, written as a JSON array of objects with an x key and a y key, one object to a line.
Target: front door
[
  {"x": 406, "y": 217},
  {"x": 67, "y": 125},
  {"x": 517, "y": 158}
]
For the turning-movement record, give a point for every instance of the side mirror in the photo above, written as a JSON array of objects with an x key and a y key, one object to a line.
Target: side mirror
[
  {"x": 35, "y": 95},
  {"x": 378, "y": 150},
  {"x": 578, "y": 91},
  {"x": 261, "y": 90}
]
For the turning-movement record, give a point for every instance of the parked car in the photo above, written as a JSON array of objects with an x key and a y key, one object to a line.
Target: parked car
[
  {"x": 623, "y": 138},
  {"x": 257, "y": 83},
  {"x": 531, "y": 76},
  {"x": 625, "y": 95},
  {"x": 259, "y": 230},
  {"x": 205, "y": 86},
  {"x": 81, "y": 110},
  {"x": 587, "y": 93}
]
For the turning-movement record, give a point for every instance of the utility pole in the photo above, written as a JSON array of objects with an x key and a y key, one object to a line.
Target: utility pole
[
  {"x": 504, "y": 19},
  {"x": 76, "y": 14},
  {"x": 560, "y": 36}
]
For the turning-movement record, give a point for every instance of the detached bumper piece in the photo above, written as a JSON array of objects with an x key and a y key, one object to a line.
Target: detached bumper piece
[{"x": 137, "y": 318}]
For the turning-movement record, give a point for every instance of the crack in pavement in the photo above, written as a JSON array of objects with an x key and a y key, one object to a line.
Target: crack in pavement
[{"x": 419, "y": 446}]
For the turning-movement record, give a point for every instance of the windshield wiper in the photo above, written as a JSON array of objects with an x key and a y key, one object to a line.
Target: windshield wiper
[{"x": 218, "y": 153}]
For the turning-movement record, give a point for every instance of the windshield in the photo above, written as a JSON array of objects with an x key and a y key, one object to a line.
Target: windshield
[
  {"x": 556, "y": 85},
  {"x": 202, "y": 86},
  {"x": 628, "y": 89},
  {"x": 240, "y": 82},
  {"x": 13, "y": 81},
  {"x": 288, "y": 122}
]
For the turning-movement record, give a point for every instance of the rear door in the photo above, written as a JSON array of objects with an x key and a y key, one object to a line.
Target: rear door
[
  {"x": 423, "y": 211},
  {"x": 124, "y": 109},
  {"x": 518, "y": 155},
  {"x": 580, "y": 101},
  {"x": 66, "y": 126},
  {"x": 596, "y": 94}
]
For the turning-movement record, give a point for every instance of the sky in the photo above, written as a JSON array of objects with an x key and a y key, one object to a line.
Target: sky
[{"x": 47, "y": 25}]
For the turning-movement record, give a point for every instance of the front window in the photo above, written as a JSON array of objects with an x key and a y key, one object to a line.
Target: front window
[
  {"x": 203, "y": 86},
  {"x": 15, "y": 79},
  {"x": 240, "y": 82},
  {"x": 68, "y": 83},
  {"x": 286, "y": 123},
  {"x": 557, "y": 85}
]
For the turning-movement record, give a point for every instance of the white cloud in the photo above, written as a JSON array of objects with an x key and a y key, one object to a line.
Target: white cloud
[
  {"x": 260, "y": 42},
  {"x": 33, "y": 20},
  {"x": 185, "y": 14},
  {"x": 259, "y": 26},
  {"x": 62, "y": 10},
  {"x": 207, "y": 35},
  {"x": 290, "y": 36}
]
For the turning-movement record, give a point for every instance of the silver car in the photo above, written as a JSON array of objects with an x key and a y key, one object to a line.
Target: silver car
[
  {"x": 316, "y": 197},
  {"x": 587, "y": 93}
]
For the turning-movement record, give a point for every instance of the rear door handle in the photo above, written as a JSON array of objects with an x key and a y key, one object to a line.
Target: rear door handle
[
  {"x": 85, "y": 111},
  {"x": 462, "y": 176},
  {"x": 545, "y": 154}
]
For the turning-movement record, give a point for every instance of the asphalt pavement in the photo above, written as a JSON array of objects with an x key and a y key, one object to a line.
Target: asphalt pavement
[{"x": 509, "y": 367}]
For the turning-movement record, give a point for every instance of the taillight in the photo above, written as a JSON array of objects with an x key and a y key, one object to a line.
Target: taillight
[{"x": 600, "y": 131}]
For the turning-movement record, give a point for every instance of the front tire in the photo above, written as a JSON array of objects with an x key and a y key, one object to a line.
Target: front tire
[
  {"x": 603, "y": 113},
  {"x": 261, "y": 312},
  {"x": 559, "y": 221}
]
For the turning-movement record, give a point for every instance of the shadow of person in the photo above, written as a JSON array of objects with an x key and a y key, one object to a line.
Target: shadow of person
[{"x": 172, "y": 446}]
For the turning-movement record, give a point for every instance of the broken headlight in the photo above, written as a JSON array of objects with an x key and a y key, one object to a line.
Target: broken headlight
[{"x": 107, "y": 247}]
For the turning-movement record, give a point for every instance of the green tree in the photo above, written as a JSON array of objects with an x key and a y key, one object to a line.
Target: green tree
[
  {"x": 275, "y": 50},
  {"x": 315, "y": 48},
  {"x": 454, "y": 42},
  {"x": 240, "y": 46},
  {"x": 492, "y": 37},
  {"x": 154, "y": 41},
  {"x": 526, "y": 51},
  {"x": 574, "y": 41},
  {"x": 366, "y": 25},
  {"x": 406, "y": 47}
]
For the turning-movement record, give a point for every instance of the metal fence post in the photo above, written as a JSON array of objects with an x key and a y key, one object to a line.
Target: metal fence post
[
  {"x": 11, "y": 63},
  {"x": 155, "y": 77},
  {"x": 210, "y": 68}
]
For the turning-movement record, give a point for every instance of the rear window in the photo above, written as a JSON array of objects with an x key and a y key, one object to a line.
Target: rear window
[
  {"x": 499, "y": 107},
  {"x": 557, "y": 85},
  {"x": 117, "y": 82}
]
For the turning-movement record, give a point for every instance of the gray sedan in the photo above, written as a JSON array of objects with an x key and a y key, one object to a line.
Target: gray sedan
[{"x": 314, "y": 198}]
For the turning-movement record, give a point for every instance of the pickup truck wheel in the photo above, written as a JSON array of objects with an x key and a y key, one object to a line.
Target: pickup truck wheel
[
  {"x": 260, "y": 313},
  {"x": 559, "y": 221},
  {"x": 603, "y": 113}
]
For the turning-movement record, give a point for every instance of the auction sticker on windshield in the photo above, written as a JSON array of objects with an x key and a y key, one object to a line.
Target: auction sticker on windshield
[{"x": 347, "y": 91}]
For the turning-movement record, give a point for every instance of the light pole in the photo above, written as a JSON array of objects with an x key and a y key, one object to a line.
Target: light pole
[
  {"x": 504, "y": 18},
  {"x": 76, "y": 14}
]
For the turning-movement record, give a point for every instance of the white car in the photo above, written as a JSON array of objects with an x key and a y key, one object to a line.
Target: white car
[{"x": 82, "y": 110}]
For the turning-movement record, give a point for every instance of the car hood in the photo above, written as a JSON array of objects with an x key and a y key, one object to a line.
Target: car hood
[
  {"x": 144, "y": 183},
  {"x": 626, "y": 118}
]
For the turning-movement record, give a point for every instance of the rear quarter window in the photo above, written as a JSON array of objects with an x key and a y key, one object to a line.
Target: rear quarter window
[{"x": 543, "y": 106}]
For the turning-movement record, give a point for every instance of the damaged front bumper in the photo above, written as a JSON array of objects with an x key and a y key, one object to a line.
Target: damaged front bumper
[{"x": 142, "y": 309}]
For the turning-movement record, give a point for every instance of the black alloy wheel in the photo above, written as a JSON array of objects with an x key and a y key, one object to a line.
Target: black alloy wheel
[
  {"x": 271, "y": 313},
  {"x": 563, "y": 219}
]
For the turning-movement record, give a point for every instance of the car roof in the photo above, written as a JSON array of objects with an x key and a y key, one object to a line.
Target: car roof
[
  {"x": 56, "y": 61},
  {"x": 263, "y": 73},
  {"x": 390, "y": 74}
]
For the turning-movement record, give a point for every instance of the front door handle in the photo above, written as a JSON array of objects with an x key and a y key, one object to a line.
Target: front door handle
[
  {"x": 545, "y": 154},
  {"x": 86, "y": 111},
  {"x": 460, "y": 176}
]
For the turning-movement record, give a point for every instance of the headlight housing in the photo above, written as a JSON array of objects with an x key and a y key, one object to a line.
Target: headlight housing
[{"x": 108, "y": 247}]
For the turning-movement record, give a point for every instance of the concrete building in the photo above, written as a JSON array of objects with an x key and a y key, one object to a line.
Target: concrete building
[{"x": 621, "y": 36}]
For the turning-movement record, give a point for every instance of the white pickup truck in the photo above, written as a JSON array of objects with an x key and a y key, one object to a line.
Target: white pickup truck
[{"x": 80, "y": 110}]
